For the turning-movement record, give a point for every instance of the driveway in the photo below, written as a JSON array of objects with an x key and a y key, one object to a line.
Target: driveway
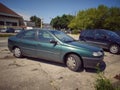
[{"x": 36, "y": 74}]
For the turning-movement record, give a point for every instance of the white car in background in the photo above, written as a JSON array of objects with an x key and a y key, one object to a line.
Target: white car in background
[
  {"x": 3, "y": 30},
  {"x": 18, "y": 30}
]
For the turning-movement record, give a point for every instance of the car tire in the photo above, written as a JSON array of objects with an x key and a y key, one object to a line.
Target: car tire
[
  {"x": 17, "y": 52},
  {"x": 114, "y": 49},
  {"x": 74, "y": 62}
]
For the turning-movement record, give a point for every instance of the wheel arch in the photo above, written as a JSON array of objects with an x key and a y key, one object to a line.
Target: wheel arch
[
  {"x": 14, "y": 47},
  {"x": 115, "y": 44},
  {"x": 65, "y": 56}
]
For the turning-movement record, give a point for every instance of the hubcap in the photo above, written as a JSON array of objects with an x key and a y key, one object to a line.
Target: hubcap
[
  {"x": 17, "y": 52},
  {"x": 71, "y": 62},
  {"x": 114, "y": 49}
]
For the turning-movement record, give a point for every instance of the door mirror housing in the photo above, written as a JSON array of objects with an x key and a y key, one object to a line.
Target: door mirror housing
[{"x": 53, "y": 41}]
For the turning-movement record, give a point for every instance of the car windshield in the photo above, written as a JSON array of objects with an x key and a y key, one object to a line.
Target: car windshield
[
  {"x": 113, "y": 34},
  {"x": 62, "y": 36}
]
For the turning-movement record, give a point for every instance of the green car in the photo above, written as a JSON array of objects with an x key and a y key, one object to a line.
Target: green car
[{"x": 54, "y": 45}]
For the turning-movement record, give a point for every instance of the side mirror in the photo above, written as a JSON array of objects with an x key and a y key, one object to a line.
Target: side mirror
[{"x": 53, "y": 41}]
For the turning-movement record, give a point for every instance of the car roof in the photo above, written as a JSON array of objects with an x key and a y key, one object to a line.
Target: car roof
[
  {"x": 42, "y": 29},
  {"x": 96, "y": 29}
]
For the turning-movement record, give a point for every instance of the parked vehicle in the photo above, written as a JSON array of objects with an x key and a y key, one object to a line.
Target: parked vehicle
[
  {"x": 118, "y": 32},
  {"x": 3, "y": 30},
  {"x": 10, "y": 30},
  {"x": 102, "y": 38},
  {"x": 55, "y": 46},
  {"x": 18, "y": 30}
]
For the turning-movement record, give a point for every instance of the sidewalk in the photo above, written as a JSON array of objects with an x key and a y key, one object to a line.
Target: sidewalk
[{"x": 74, "y": 36}]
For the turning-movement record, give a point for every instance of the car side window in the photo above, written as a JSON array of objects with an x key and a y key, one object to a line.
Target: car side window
[
  {"x": 82, "y": 33},
  {"x": 29, "y": 35},
  {"x": 89, "y": 34},
  {"x": 100, "y": 35},
  {"x": 45, "y": 37}
]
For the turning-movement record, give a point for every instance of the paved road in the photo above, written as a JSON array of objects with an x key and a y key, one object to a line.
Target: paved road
[{"x": 3, "y": 42}]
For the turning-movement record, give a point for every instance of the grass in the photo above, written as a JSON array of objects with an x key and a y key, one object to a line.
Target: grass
[
  {"x": 103, "y": 83},
  {"x": 6, "y": 34}
]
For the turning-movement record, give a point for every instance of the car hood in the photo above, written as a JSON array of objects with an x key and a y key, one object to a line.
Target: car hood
[{"x": 80, "y": 44}]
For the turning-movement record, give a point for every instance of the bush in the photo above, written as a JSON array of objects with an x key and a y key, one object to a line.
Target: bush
[
  {"x": 75, "y": 31},
  {"x": 102, "y": 83}
]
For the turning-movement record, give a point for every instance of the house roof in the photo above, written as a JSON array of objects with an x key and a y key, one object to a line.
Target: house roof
[{"x": 7, "y": 11}]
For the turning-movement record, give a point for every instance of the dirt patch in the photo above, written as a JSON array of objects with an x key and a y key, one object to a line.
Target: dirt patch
[
  {"x": 5, "y": 54},
  {"x": 117, "y": 77}
]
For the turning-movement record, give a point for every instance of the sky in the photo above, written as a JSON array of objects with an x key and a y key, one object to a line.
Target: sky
[{"x": 48, "y": 9}]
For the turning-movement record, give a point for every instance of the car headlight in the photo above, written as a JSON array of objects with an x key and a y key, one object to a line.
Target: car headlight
[{"x": 97, "y": 53}]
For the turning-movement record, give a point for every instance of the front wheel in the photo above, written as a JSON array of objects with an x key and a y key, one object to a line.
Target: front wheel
[
  {"x": 114, "y": 49},
  {"x": 73, "y": 62},
  {"x": 17, "y": 52}
]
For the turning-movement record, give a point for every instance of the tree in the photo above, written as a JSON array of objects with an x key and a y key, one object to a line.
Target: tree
[
  {"x": 112, "y": 22},
  {"x": 37, "y": 20},
  {"x": 21, "y": 21},
  {"x": 55, "y": 22},
  {"x": 102, "y": 13},
  {"x": 97, "y": 18},
  {"x": 61, "y": 22}
]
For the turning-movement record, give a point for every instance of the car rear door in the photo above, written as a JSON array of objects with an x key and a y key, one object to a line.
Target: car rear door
[
  {"x": 101, "y": 39},
  {"x": 28, "y": 43}
]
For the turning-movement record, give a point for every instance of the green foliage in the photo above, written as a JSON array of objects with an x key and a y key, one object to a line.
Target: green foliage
[
  {"x": 101, "y": 17},
  {"x": 97, "y": 18},
  {"x": 113, "y": 20},
  {"x": 75, "y": 31},
  {"x": 37, "y": 20},
  {"x": 102, "y": 83},
  {"x": 6, "y": 34},
  {"x": 61, "y": 22}
]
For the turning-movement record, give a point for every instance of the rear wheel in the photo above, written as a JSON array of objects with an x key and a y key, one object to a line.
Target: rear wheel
[
  {"x": 73, "y": 62},
  {"x": 17, "y": 52},
  {"x": 114, "y": 49}
]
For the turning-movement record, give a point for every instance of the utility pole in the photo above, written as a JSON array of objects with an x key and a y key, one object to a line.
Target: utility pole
[{"x": 41, "y": 26}]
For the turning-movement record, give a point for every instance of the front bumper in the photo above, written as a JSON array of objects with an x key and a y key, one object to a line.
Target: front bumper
[{"x": 92, "y": 62}]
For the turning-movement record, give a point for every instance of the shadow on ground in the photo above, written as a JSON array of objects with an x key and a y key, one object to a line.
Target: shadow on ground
[
  {"x": 46, "y": 61},
  {"x": 101, "y": 68}
]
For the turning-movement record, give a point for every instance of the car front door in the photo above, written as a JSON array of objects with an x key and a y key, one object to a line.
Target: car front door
[
  {"x": 89, "y": 37},
  {"x": 46, "y": 49}
]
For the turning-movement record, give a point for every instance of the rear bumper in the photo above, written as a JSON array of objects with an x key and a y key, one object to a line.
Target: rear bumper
[{"x": 92, "y": 62}]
